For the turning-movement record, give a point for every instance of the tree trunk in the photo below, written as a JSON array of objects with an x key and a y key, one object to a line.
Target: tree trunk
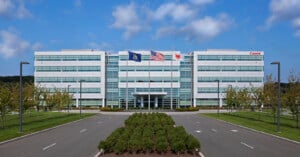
[{"x": 297, "y": 119}]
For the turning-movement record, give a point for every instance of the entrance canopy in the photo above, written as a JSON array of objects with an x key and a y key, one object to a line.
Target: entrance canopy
[{"x": 141, "y": 94}]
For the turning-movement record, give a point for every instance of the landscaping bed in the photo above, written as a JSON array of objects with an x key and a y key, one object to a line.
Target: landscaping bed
[{"x": 150, "y": 134}]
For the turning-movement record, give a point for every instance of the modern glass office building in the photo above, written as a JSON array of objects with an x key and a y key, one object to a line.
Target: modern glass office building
[{"x": 158, "y": 79}]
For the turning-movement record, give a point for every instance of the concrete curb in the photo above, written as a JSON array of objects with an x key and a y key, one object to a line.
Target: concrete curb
[
  {"x": 102, "y": 152},
  {"x": 38, "y": 132},
  {"x": 258, "y": 131}
]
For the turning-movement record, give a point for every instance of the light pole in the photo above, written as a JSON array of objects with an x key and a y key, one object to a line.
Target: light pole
[
  {"x": 80, "y": 96},
  {"x": 218, "y": 97},
  {"x": 69, "y": 99},
  {"x": 21, "y": 89},
  {"x": 278, "y": 95}
]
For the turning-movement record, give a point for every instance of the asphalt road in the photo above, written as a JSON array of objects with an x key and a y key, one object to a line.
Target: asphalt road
[
  {"x": 219, "y": 139},
  {"x": 79, "y": 139}
]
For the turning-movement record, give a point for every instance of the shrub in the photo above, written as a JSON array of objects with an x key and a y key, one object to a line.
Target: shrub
[
  {"x": 147, "y": 144},
  {"x": 192, "y": 143},
  {"x": 178, "y": 147},
  {"x": 162, "y": 146},
  {"x": 120, "y": 146}
]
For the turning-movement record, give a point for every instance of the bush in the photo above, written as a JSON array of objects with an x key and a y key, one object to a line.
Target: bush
[
  {"x": 178, "y": 147},
  {"x": 192, "y": 143},
  {"x": 120, "y": 146},
  {"x": 162, "y": 146}
]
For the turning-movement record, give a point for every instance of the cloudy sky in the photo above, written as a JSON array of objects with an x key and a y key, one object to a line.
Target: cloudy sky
[{"x": 272, "y": 26}]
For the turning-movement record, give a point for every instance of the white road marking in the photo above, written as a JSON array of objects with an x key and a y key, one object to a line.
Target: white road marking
[
  {"x": 198, "y": 131},
  {"x": 198, "y": 122},
  {"x": 47, "y": 147},
  {"x": 234, "y": 130},
  {"x": 251, "y": 147},
  {"x": 83, "y": 130},
  {"x": 213, "y": 130}
]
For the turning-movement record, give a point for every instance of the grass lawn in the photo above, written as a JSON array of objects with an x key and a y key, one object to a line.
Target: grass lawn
[
  {"x": 262, "y": 122},
  {"x": 35, "y": 121}
]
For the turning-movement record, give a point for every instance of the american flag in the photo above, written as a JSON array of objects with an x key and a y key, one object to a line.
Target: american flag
[{"x": 157, "y": 56}]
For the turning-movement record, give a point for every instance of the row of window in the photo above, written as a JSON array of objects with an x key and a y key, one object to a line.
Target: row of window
[
  {"x": 66, "y": 79},
  {"x": 230, "y": 57},
  {"x": 149, "y": 68},
  {"x": 146, "y": 79},
  {"x": 66, "y": 68},
  {"x": 230, "y": 79},
  {"x": 67, "y": 57},
  {"x": 76, "y": 90},
  {"x": 230, "y": 68},
  {"x": 145, "y": 57}
]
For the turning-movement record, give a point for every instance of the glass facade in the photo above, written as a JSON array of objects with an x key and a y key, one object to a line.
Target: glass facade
[{"x": 111, "y": 79}]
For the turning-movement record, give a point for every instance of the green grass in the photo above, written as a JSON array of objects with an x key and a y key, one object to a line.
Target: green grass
[
  {"x": 262, "y": 122},
  {"x": 35, "y": 121}
]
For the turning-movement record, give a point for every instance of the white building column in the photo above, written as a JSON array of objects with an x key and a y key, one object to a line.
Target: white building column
[
  {"x": 103, "y": 103},
  {"x": 77, "y": 102},
  {"x": 156, "y": 101},
  {"x": 142, "y": 102},
  {"x": 194, "y": 103}
]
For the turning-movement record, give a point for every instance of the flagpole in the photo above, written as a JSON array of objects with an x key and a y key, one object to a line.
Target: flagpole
[
  {"x": 172, "y": 83},
  {"x": 149, "y": 83},
  {"x": 127, "y": 85}
]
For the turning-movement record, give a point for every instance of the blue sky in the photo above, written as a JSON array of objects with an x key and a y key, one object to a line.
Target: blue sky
[{"x": 272, "y": 26}]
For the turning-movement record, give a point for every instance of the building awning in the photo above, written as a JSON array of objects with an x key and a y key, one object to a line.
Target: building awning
[{"x": 151, "y": 94}]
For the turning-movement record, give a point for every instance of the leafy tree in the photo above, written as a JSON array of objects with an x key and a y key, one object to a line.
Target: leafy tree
[
  {"x": 231, "y": 97},
  {"x": 270, "y": 95},
  {"x": 258, "y": 97},
  {"x": 6, "y": 99},
  {"x": 292, "y": 96},
  {"x": 244, "y": 98}
]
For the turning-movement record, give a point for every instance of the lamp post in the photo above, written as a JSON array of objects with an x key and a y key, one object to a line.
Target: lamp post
[
  {"x": 80, "y": 96},
  {"x": 218, "y": 97},
  {"x": 21, "y": 89},
  {"x": 278, "y": 95},
  {"x": 69, "y": 99}
]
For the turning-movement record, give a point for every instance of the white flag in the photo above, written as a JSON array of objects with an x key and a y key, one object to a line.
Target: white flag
[{"x": 177, "y": 57}]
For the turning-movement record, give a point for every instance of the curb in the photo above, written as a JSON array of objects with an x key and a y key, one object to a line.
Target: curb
[
  {"x": 258, "y": 131},
  {"x": 38, "y": 132},
  {"x": 102, "y": 152}
]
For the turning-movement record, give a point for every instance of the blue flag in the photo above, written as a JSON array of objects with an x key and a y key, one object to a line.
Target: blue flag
[{"x": 134, "y": 56}]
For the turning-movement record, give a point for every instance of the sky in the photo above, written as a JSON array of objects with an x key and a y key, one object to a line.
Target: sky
[{"x": 272, "y": 26}]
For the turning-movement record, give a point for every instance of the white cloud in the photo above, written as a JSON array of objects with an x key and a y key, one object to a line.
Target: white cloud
[
  {"x": 199, "y": 29},
  {"x": 13, "y": 9},
  {"x": 285, "y": 11},
  {"x": 77, "y": 3},
  {"x": 207, "y": 28},
  {"x": 37, "y": 46},
  {"x": 127, "y": 18},
  {"x": 6, "y": 7},
  {"x": 201, "y": 2},
  {"x": 177, "y": 12},
  {"x": 102, "y": 45},
  {"x": 11, "y": 44}
]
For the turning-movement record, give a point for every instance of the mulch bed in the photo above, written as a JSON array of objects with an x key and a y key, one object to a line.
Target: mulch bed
[{"x": 152, "y": 154}]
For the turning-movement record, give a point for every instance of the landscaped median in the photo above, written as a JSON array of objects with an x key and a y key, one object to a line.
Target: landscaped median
[
  {"x": 261, "y": 121},
  {"x": 35, "y": 121},
  {"x": 150, "y": 134}
]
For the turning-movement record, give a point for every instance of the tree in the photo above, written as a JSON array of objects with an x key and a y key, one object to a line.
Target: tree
[
  {"x": 28, "y": 96},
  {"x": 231, "y": 98},
  {"x": 292, "y": 96},
  {"x": 6, "y": 98},
  {"x": 270, "y": 95},
  {"x": 244, "y": 98},
  {"x": 258, "y": 97}
]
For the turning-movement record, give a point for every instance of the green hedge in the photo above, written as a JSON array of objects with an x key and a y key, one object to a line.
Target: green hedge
[
  {"x": 108, "y": 109},
  {"x": 149, "y": 132}
]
